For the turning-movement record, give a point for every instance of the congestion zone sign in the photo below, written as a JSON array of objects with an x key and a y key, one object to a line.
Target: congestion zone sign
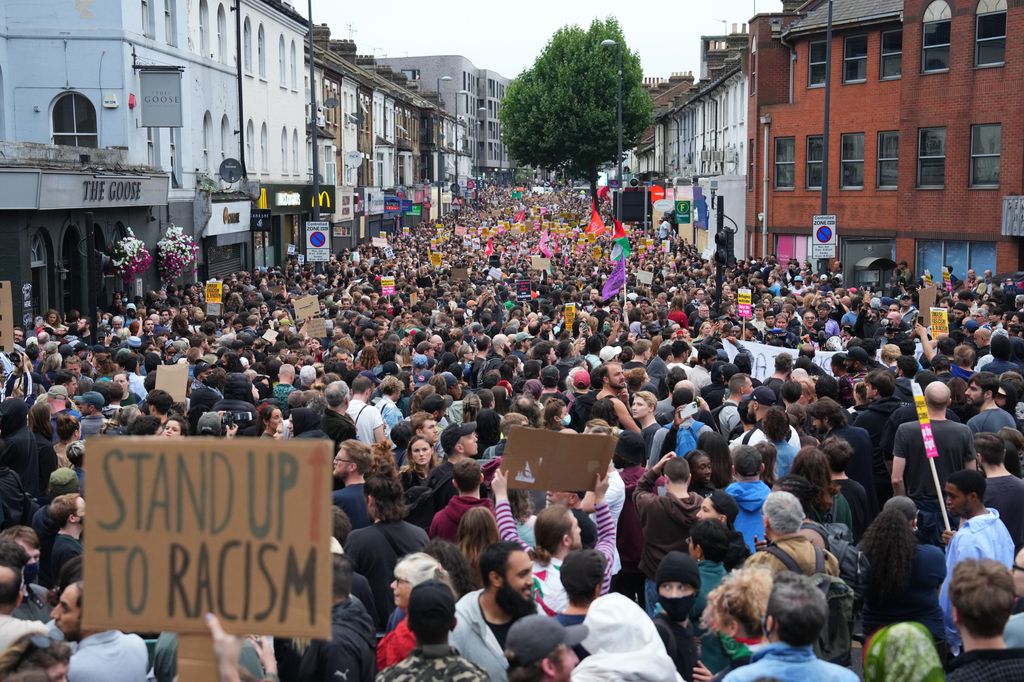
[{"x": 318, "y": 246}]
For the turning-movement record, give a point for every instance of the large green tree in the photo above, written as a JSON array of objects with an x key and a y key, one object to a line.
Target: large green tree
[{"x": 560, "y": 113}]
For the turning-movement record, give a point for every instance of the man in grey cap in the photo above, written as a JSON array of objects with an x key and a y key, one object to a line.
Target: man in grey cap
[
  {"x": 91, "y": 405},
  {"x": 541, "y": 648}
]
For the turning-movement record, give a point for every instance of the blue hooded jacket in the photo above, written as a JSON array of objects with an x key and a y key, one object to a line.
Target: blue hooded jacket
[{"x": 750, "y": 496}]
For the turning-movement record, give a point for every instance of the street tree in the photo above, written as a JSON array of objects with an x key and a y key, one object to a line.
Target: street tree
[{"x": 560, "y": 113}]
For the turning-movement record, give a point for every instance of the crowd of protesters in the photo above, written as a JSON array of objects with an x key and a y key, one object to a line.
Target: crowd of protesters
[{"x": 781, "y": 524}]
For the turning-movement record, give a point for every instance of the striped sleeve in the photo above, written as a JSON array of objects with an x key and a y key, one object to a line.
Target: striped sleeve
[
  {"x": 507, "y": 525},
  {"x": 605, "y": 542}
]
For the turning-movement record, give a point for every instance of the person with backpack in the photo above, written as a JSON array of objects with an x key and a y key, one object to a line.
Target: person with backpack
[
  {"x": 750, "y": 492},
  {"x": 783, "y": 517},
  {"x": 681, "y": 435},
  {"x": 797, "y": 614},
  {"x": 726, "y": 417}
]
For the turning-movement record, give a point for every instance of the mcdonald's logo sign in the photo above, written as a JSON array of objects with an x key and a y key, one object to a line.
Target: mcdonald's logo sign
[
  {"x": 262, "y": 203},
  {"x": 324, "y": 199}
]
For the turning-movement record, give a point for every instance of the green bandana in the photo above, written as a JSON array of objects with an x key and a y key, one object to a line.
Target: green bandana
[{"x": 904, "y": 652}]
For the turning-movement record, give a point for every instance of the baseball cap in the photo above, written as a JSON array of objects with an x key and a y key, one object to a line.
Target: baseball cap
[
  {"x": 531, "y": 638},
  {"x": 62, "y": 482},
  {"x": 580, "y": 378},
  {"x": 370, "y": 375},
  {"x": 421, "y": 378},
  {"x": 971, "y": 325},
  {"x": 608, "y": 353},
  {"x": 764, "y": 395},
  {"x": 451, "y": 435},
  {"x": 858, "y": 353},
  {"x": 57, "y": 393},
  {"x": 210, "y": 425},
  {"x": 94, "y": 398},
  {"x": 431, "y": 606},
  {"x": 419, "y": 360},
  {"x": 449, "y": 379},
  {"x": 582, "y": 570}
]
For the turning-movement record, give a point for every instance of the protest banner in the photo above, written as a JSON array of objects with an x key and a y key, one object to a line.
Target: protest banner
[
  {"x": 173, "y": 379},
  {"x": 460, "y": 231},
  {"x": 595, "y": 252},
  {"x": 940, "y": 321},
  {"x": 947, "y": 279},
  {"x": 180, "y": 528},
  {"x": 306, "y": 307},
  {"x": 379, "y": 242},
  {"x": 387, "y": 286},
  {"x": 214, "y": 292},
  {"x": 743, "y": 304},
  {"x": 665, "y": 245},
  {"x": 930, "y": 451},
  {"x": 762, "y": 357},
  {"x": 539, "y": 459},
  {"x": 524, "y": 290}
]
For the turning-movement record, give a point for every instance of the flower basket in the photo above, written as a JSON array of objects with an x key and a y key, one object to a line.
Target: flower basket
[
  {"x": 130, "y": 257},
  {"x": 175, "y": 254}
]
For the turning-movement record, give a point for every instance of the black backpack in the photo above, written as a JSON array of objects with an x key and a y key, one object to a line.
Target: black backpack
[
  {"x": 854, "y": 566},
  {"x": 17, "y": 507}
]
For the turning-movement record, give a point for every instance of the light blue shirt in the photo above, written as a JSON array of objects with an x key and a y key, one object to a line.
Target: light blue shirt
[
  {"x": 983, "y": 537},
  {"x": 110, "y": 656},
  {"x": 787, "y": 663}
]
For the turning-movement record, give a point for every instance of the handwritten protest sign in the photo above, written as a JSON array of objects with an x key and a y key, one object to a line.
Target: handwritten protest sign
[
  {"x": 539, "y": 459},
  {"x": 316, "y": 328},
  {"x": 213, "y": 309},
  {"x": 179, "y": 528},
  {"x": 379, "y": 242},
  {"x": 270, "y": 335},
  {"x": 387, "y": 286},
  {"x": 173, "y": 379},
  {"x": 644, "y": 277},
  {"x": 306, "y": 307}
]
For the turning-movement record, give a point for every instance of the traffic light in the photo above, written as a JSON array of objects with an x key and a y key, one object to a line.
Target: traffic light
[{"x": 724, "y": 247}]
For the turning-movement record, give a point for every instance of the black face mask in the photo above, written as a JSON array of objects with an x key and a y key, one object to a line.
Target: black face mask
[{"x": 677, "y": 608}]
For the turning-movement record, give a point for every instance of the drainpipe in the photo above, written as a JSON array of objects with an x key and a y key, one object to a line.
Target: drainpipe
[{"x": 766, "y": 120}]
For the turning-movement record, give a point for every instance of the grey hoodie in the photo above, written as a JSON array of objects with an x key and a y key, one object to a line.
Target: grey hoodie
[{"x": 474, "y": 639}]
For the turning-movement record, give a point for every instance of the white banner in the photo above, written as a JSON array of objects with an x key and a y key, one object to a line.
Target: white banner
[{"x": 763, "y": 357}]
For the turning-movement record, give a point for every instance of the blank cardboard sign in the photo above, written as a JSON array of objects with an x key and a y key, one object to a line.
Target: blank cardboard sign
[
  {"x": 178, "y": 528},
  {"x": 538, "y": 459},
  {"x": 173, "y": 379},
  {"x": 306, "y": 307}
]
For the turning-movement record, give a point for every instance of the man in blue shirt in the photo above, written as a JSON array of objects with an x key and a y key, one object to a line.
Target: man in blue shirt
[
  {"x": 796, "y": 613},
  {"x": 981, "y": 536}
]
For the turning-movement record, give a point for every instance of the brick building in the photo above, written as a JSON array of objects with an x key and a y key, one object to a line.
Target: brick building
[{"x": 925, "y": 136}]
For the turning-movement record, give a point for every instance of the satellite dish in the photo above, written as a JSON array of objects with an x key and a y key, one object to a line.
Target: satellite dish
[{"x": 230, "y": 170}]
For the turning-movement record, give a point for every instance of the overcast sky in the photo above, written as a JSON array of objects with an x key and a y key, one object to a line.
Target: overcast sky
[{"x": 508, "y": 37}]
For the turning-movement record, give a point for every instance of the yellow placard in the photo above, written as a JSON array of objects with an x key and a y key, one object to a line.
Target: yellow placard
[
  {"x": 570, "y": 315},
  {"x": 940, "y": 321},
  {"x": 922, "y": 410},
  {"x": 435, "y": 260},
  {"x": 214, "y": 292},
  {"x": 595, "y": 252},
  {"x": 743, "y": 297}
]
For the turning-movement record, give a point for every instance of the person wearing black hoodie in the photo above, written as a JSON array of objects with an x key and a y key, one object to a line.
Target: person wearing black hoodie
[
  {"x": 238, "y": 399},
  {"x": 1002, "y": 348},
  {"x": 881, "y": 385},
  {"x": 350, "y": 652},
  {"x": 18, "y": 452},
  {"x": 306, "y": 424}
]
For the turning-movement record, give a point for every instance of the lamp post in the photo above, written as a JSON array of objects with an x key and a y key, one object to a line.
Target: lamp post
[
  {"x": 608, "y": 44},
  {"x": 458, "y": 96},
  {"x": 440, "y": 139},
  {"x": 481, "y": 132}
]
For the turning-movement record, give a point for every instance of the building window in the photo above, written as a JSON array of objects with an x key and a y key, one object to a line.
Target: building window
[
  {"x": 74, "y": 121},
  {"x": 247, "y": 46},
  {"x": 750, "y": 166},
  {"x": 284, "y": 151},
  {"x": 295, "y": 151},
  {"x": 204, "y": 28},
  {"x": 222, "y": 35},
  {"x": 985, "y": 149},
  {"x": 147, "y": 19},
  {"x": 785, "y": 162},
  {"x": 960, "y": 256},
  {"x": 931, "y": 157},
  {"x": 170, "y": 35},
  {"x": 150, "y": 149},
  {"x": 225, "y": 136},
  {"x": 852, "y": 160},
  {"x": 892, "y": 55},
  {"x": 855, "y": 59},
  {"x": 294, "y": 68},
  {"x": 175, "y": 170},
  {"x": 816, "y": 63},
  {"x": 935, "y": 39},
  {"x": 250, "y": 143},
  {"x": 990, "y": 40},
  {"x": 282, "y": 74},
  {"x": 264, "y": 161},
  {"x": 261, "y": 51},
  {"x": 815, "y": 155},
  {"x": 207, "y": 135},
  {"x": 888, "y": 159}
]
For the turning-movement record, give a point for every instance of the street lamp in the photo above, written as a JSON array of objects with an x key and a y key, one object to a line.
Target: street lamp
[
  {"x": 460, "y": 92},
  {"x": 608, "y": 44},
  {"x": 440, "y": 138}
]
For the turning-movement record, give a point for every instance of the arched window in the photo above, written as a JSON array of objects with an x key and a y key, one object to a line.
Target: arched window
[
  {"x": 261, "y": 51},
  {"x": 284, "y": 151},
  {"x": 207, "y": 139},
  {"x": 39, "y": 256},
  {"x": 247, "y": 46},
  {"x": 935, "y": 37},
  {"x": 222, "y": 35},
  {"x": 282, "y": 74},
  {"x": 204, "y": 28},
  {"x": 225, "y": 136},
  {"x": 990, "y": 36},
  {"x": 295, "y": 152},
  {"x": 263, "y": 148},
  {"x": 250, "y": 143},
  {"x": 74, "y": 121},
  {"x": 294, "y": 68}
]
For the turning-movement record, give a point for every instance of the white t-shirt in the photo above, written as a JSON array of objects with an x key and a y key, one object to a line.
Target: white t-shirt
[
  {"x": 367, "y": 418},
  {"x": 758, "y": 436}
]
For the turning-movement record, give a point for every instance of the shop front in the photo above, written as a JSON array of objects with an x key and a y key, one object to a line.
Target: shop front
[
  {"x": 46, "y": 220},
  {"x": 227, "y": 239},
  {"x": 342, "y": 232},
  {"x": 290, "y": 207}
]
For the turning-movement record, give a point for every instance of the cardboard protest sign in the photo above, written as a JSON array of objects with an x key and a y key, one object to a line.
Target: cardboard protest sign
[
  {"x": 540, "y": 263},
  {"x": 379, "y": 242},
  {"x": 387, "y": 286},
  {"x": 315, "y": 328},
  {"x": 270, "y": 335},
  {"x": 940, "y": 321},
  {"x": 459, "y": 274},
  {"x": 173, "y": 379},
  {"x": 213, "y": 309},
  {"x": 214, "y": 292},
  {"x": 6, "y": 317},
  {"x": 539, "y": 459},
  {"x": 926, "y": 300},
  {"x": 644, "y": 277},
  {"x": 240, "y": 528},
  {"x": 306, "y": 307}
]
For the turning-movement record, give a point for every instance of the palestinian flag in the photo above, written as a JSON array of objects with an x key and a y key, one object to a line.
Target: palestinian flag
[{"x": 620, "y": 243}]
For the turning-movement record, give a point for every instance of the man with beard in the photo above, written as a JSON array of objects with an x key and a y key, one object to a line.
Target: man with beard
[
  {"x": 484, "y": 617},
  {"x": 613, "y": 385}
]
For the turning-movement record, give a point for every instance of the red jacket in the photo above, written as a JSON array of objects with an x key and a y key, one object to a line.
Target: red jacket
[
  {"x": 396, "y": 646},
  {"x": 446, "y": 522}
]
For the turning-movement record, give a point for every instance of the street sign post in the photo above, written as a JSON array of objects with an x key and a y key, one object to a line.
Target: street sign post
[
  {"x": 318, "y": 241},
  {"x": 823, "y": 236}
]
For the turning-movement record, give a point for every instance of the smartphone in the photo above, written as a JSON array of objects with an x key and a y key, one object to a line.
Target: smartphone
[{"x": 688, "y": 410}]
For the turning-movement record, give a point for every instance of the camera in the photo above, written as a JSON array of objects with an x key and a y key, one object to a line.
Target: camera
[{"x": 231, "y": 418}]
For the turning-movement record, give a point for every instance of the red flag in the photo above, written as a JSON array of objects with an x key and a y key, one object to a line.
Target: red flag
[
  {"x": 520, "y": 216},
  {"x": 602, "y": 193},
  {"x": 490, "y": 248},
  {"x": 596, "y": 223}
]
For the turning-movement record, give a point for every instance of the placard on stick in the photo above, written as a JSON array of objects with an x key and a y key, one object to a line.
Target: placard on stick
[
  {"x": 306, "y": 307},
  {"x": 926, "y": 301},
  {"x": 315, "y": 328},
  {"x": 538, "y": 459},
  {"x": 174, "y": 380},
  {"x": 240, "y": 528},
  {"x": 540, "y": 263},
  {"x": 6, "y": 317},
  {"x": 644, "y": 277}
]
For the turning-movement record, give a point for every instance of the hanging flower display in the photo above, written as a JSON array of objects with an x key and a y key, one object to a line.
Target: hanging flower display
[
  {"x": 175, "y": 254},
  {"x": 130, "y": 257}
]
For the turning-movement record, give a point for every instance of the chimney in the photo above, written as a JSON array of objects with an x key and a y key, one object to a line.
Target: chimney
[
  {"x": 321, "y": 35},
  {"x": 366, "y": 60},
  {"x": 346, "y": 49},
  {"x": 791, "y": 6}
]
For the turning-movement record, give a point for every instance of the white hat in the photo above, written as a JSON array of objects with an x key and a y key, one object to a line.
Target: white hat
[{"x": 608, "y": 353}]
